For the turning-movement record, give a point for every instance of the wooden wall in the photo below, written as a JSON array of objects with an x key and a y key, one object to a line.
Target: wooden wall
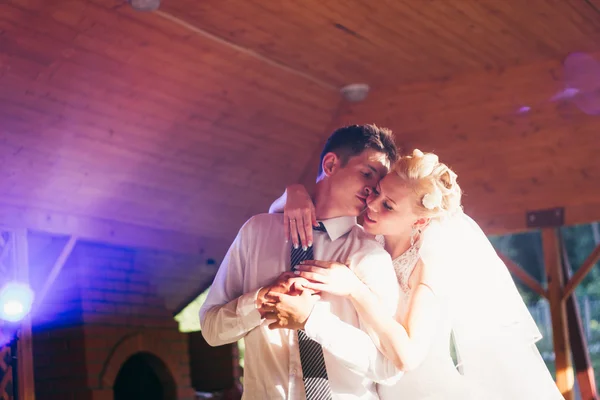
[
  {"x": 117, "y": 115},
  {"x": 508, "y": 161}
]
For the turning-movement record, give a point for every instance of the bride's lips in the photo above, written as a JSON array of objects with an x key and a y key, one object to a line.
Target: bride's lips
[{"x": 369, "y": 219}]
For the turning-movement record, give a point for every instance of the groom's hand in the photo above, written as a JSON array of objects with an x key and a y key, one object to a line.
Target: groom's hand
[
  {"x": 288, "y": 283},
  {"x": 293, "y": 311}
]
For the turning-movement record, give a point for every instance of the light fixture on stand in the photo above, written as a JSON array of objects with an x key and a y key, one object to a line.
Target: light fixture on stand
[{"x": 16, "y": 299}]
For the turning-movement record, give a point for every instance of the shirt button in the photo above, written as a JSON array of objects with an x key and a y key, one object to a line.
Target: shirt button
[{"x": 294, "y": 371}]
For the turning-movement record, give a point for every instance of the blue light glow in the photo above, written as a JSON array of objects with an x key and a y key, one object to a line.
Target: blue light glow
[{"x": 15, "y": 301}]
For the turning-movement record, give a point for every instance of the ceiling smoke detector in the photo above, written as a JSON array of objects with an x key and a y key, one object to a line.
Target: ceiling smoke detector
[
  {"x": 355, "y": 92},
  {"x": 145, "y": 5}
]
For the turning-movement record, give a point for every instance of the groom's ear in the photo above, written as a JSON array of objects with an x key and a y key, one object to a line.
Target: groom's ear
[{"x": 330, "y": 163}]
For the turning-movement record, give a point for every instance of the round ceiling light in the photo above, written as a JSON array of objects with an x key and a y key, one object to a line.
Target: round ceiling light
[
  {"x": 355, "y": 92},
  {"x": 145, "y": 5}
]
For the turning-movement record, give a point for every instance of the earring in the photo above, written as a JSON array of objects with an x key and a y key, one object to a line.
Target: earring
[{"x": 413, "y": 233}]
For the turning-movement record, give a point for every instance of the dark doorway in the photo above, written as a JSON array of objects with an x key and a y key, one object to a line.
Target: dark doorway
[{"x": 144, "y": 377}]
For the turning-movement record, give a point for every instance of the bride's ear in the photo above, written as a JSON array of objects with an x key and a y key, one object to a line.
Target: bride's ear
[{"x": 421, "y": 223}]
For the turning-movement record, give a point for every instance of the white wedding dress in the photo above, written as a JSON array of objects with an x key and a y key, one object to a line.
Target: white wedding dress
[
  {"x": 484, "y": 314},
  {"x": 437, "y": 377}
]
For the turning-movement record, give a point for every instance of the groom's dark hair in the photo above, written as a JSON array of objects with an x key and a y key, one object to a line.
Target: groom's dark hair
[{"x": 352, "y": 140}]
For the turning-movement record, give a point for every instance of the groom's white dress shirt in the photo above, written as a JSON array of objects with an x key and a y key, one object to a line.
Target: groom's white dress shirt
[{"x": 272, "y": 367}]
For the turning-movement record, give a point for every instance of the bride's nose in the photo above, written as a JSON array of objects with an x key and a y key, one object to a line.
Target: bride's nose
[{"x": 371, "y": 200}]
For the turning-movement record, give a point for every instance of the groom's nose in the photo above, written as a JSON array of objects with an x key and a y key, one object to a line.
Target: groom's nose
[{"x": 371, "y": 197}]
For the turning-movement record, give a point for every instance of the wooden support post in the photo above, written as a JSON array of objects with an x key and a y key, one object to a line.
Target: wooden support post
[
  {"x": 520, "y": 273},
  {"x": 562, "y": 348},
  {"x": 26, "y": 386},
  {"x": 581, "y": 357},
  {"x": 583, "y": 366},
  {"x": 56, "y": 268},
  {"x": 585, "y": 268}
]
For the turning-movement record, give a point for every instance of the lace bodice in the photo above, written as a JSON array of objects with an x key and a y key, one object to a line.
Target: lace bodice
[
  {"x": 437, "y": 374},
  {"x": 404, "y": 264}
]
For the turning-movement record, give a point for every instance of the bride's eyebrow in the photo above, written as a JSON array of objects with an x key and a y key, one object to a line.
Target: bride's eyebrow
[
  {"x": 390, "y": 199},
  {"x": 378, "y": 189}
]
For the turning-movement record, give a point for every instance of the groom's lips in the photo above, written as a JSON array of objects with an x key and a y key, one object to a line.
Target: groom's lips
[{"x": 363, "y": 200}]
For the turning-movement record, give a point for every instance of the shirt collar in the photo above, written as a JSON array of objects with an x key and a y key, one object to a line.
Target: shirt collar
[{"x": 339, "y": 226}]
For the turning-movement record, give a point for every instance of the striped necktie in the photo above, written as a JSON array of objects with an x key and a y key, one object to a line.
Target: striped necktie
[{"x": 316, "y": 383}]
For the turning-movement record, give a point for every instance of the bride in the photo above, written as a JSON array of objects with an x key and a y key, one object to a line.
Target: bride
[{"x": 455, "y": 291}]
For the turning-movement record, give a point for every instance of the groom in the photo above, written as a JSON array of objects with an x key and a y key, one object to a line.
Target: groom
[{"x": 285, "y": 363}]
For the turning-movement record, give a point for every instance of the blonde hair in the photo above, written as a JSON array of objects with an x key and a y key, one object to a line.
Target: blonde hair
[{"x": 437, "y": 192}]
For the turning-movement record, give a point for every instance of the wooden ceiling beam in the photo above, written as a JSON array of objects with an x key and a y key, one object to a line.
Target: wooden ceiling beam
[
  {"x": 514, "y": 222},
  {"x": 109, "y": 232},
  {"x": 55, "y": 271}
]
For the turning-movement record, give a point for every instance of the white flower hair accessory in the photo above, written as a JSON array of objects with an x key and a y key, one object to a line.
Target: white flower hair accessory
[{"x": 432, "y": 200}]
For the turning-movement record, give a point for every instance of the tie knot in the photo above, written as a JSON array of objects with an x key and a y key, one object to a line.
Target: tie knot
[{"x": 320, "y": 228}]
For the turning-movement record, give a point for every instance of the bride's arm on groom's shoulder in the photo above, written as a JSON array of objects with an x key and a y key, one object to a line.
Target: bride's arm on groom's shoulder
[
  {"x": 298, "y": 214},
  {"x": 349, "y": 344},
  {"x": 279, "y": 204},
  {"x": 405, "y": 345}
]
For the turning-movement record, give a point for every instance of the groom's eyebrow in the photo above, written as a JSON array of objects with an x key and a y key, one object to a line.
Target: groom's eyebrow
[
  {"x": 375, "y": 170},
  {"x": 372, "y": 168}
]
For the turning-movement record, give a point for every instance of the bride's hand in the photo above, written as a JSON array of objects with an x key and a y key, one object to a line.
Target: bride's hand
[
  {"x": 299, "y": 216},
  {"x": 328, "y": 276}
]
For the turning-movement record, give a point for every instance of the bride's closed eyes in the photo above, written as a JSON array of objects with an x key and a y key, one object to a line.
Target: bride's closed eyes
[{"x": 377, "y": 193}]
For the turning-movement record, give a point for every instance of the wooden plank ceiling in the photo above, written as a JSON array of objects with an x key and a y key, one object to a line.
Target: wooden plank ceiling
[
  {"x": 125, "y": 116},
  {"x": 195, "y": 117},
  {"x": 397, "y": 41},
  {"x": 509, "y": 160}
]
